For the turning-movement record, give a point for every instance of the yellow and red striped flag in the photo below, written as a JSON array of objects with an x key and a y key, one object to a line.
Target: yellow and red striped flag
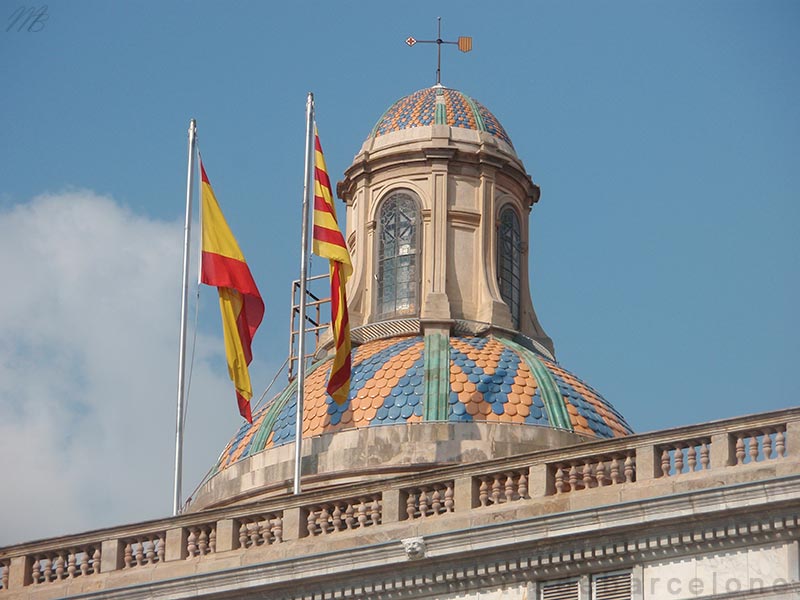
[
  {"x": 240, "y": 303},
  {"x": 328, "y": 242}
]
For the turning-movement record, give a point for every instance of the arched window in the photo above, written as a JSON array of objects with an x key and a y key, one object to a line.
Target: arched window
[
  {"x": 398, "y": 250},
  {"x": 509, "y": 260}
]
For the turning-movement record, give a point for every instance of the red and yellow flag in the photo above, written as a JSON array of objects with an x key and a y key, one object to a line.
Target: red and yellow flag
[
  {"x": 242, "y": 308},
  {"x": 328, "y": 242}
]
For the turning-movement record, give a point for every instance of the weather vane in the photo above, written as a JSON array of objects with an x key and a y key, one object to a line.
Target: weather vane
[{"x": 464, "y": 44}]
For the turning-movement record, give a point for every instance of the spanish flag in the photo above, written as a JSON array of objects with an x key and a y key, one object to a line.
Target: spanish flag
[
  {"x": 242, "y": 308},
  {"x": 328, "y": 242}
]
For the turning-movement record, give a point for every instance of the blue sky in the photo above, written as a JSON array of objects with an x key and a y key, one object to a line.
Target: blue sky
[{"x": 664, "y": 250}]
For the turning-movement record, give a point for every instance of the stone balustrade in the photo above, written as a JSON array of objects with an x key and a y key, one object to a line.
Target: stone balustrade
[
  {"x": 58, "y": 565},
  {"x": 684, "y": 456},
  {"x": 429, "y": 500},
  {"x": 506, "y": 486},
  {"x": 647, "y": 464},
  {"x": 760, "y": 444},
  {"x": 343, "y": 515},
  {"x": 258, "y": 530},
  {"x": 593, "y": 471},
  {"x": 201, "y": 540}
]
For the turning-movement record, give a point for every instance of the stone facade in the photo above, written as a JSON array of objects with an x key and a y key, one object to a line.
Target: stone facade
[{"x": 707, "y": 511}]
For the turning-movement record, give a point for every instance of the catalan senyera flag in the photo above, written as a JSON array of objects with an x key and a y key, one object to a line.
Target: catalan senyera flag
[
  {"x": 240, "y": 303},
  {"x": 328, "y": 242}
]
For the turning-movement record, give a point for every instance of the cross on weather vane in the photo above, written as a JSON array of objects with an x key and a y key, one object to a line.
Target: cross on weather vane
[{"x": 464, "y": 44}]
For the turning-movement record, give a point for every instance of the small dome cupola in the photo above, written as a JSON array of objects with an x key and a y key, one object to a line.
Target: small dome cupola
[{"x": 437, "y": 219}]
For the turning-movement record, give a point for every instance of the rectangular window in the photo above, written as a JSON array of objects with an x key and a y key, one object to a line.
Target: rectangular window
[
  {"x": 612, "y": 586},
  {"x": 562, "y": 590}
]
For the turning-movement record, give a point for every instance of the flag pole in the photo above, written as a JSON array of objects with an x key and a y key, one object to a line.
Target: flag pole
[
  {"x": 301, "y": 343},
  {"x": 176, "y": 508}
]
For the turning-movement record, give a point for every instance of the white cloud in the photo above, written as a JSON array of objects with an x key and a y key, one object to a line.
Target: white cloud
[{"x": 89, "y": 318}]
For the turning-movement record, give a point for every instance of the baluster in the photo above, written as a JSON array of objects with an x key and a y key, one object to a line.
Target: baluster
[
  {"x": 483, "y": 492},
  {"x": 4, "y": 579},
  {"x": 522, "y": 487},
  {"x": 587, "y": 475},
  {"x": 243, "y": 537},
  {"x": 128, "y": 555},
  {"x": 375, "y": 511},
  {"x": 277, "y": 530},
  {"x": 449, "y": 503},
  {"x": 255, "y": 528},
  {"x": 767, "y": 445},
  {"x": 337, "y": 517},
  {"x": 780, "y": 444},
  {"x": 630, "y": 466},
  {"x": 559, "y": 480},
  {"x": 96, "y": 561},
  {"x": 436, "y": 501},
  {"x": 423, "y": 502},
  {"x": 615, "y": 475},
  {"x": 138, "y": 555},
  {"x": 678, "y": 459},
  {"x": 496, "y": 487},
  {"x": 600, "y": 473},
  {"x": 212, "y": 540},
  {"x": 324, "y": 519},
  {"x": 312, "y": 522},
  {"x": 740, "y": 449},
  {"x": 411, "y": 505},
  {"x": 85, "y": 562},
  {"x": 573, "y": 478},
  {"x": 36, "y": 572},
  {"x": 704, "y": 456},
  {"x": 691, "y": 456},
  {"x": 349, "y": 515},
  {"x": 202, "y": 542},
  {"x": 151, "y": 551},
  {"x": 59, "y": 567},
  {"x": 362, "y": 513},
  {"x": 753, "y": 448},
  {"x": 49, "y": 565},
  {"x": 160, "y": 547},
  {"x": 509, "y": 487},
  {"x": 191, "y": 545},
  {"x": 71, "y": 564},
  {"x": 665, "y": 470}
]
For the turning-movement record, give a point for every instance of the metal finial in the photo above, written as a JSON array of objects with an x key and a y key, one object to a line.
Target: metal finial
[{"x": 464, "y": 44}]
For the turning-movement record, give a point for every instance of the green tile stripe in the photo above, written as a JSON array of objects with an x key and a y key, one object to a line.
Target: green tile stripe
[
  {"x": 551, "y": 397},
  {"x": 475, "y": 112},
  {"x": 437, "y": 376},
  {"x": 440, "y": 116},
  {"x": 260, "y": 439}
]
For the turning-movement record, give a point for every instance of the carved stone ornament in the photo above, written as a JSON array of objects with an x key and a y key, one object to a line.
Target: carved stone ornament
[{"x": 414, "y": 547}]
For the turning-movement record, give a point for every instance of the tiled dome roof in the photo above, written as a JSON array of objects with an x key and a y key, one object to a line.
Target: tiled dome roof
[
  {"x": 439, "y": 106},
  {"x": 491, "y": 379}
]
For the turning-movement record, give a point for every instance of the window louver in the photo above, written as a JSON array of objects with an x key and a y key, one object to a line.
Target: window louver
[
  {"x": 612, "y": 587},
  {"x": 569, "y": 590}
]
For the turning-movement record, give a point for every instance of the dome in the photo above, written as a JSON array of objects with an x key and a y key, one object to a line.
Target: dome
[
  {"x": 439, "y": 106},
  {"x": 492, "y": 379}
]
